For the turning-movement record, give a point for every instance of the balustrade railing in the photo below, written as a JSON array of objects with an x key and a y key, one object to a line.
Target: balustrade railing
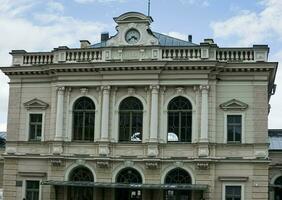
[
  {"x": 235, "y": 54},
  {"x": 32, "y": 59},
  {"x": 181, "y": 53},
  {"x": 84, "y": 55}
]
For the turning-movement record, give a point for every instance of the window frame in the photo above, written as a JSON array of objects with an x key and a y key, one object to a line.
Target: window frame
[
  {"x": 242, "y": 127},
  {"x": 179, "y": 114},
  {"x": 233, "y": 184},
  {"x": 25, "y": 187},
  {"x": 28, "y": 126}
]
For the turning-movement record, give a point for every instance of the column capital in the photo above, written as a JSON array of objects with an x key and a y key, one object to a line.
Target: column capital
[
  {"x": 204, "y": 87},
  {"x": 61, "y": 89},
  {"x": 154, "y": 88},
  {"x": 105, "y": 87}
]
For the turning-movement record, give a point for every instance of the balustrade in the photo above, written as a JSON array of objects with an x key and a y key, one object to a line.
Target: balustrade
[
  {"x": 235, "y": 55},
  {"x": 85, "y": 55},
  {"x": 35, "y": 59}
]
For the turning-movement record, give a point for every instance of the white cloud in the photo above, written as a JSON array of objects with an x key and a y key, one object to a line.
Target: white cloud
[
  {"x": 204, "y": 3},
  {"x": 252, "y": 27},
  {"x": 99, "y": 1},
  {"x": 49, "y": 28},
  {"x": 178, "y": 35},
  {"x": 258, "y": 27}
]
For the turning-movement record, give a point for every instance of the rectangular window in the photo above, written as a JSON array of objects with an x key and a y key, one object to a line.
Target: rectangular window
[
  {"x": 233, "y": 192},
  {"x": 32, "y": 190},
  {"x": 234, "y": 128},
  {"x": 35, "y": 127}
]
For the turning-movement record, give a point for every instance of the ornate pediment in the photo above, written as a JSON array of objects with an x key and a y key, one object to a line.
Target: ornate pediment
[
  {"x": 36, "y": 104},
  {"x": 234, "y": 104}
]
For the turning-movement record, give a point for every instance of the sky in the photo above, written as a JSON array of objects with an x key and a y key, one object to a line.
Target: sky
[{"x": 41, "y": 25}]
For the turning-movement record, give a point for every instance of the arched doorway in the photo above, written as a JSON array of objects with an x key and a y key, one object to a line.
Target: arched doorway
[
  {"x": 128, "y": 176},
  {"x": 278, "y": 189},
  {"x": 81, "y": 174},
  {"x": 177, "y": 176}
]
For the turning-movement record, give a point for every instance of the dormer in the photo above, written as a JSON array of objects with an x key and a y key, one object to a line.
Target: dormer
[
  {"x": 233, "y": 104},
  {"x": 36, "y": 104},
  {"x": 133, "y": 29}
]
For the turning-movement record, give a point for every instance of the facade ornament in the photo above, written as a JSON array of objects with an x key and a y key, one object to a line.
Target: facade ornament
[
  {"x": 179, "y": 90},
  {"x": 56, "y": 162},
  {"x": 154, "y": 88},
  {"x": 61, "y": 90},
  {"x": 204, "y": 87},
  {"x": 152, "y": 164},
  {"x": 84, "y": 91},
  {"x": 80, "y": 162},
  {"x": 178, "y": 164},
  {"x": 36, "y": 104},
  {"x": 128, "y": 163},
  {"x": 131, "y": 91},
  {"x": 203, "y": 165},
  {"x": 103, "y": 164}
]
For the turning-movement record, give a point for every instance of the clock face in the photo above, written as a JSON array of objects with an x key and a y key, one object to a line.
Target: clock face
[{"x": 132, "y": 36}]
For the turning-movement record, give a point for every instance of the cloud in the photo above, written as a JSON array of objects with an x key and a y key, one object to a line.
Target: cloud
[
  {"x": 45, "y": 29},
  {"x": 178, "y": 35},
  {"x": 253, "y": 28},
  {"x": 204, "y": 3},
  {"x": 99, "y": 1}
]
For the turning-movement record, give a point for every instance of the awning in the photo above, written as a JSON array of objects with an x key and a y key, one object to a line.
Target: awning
[{"x": 194, "y": 187}]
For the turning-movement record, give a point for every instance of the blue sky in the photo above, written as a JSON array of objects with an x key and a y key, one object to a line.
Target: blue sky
[{"x": 36, "y": 25}]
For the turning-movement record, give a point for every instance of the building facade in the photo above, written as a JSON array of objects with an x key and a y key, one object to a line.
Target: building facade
[{"x": 140, "y": 115}]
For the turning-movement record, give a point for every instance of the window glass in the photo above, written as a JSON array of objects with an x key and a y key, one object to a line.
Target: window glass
[
  {"x": 130, "y": 120},
  {"x": 234, "y": 128},
  {"x": 32, "y": 190},
  {"x": 179, "y": 120},
  {"x": 233, "y": 192},
  {"x": 35, "y": 127},
  {"x": 84, "y": 119}
]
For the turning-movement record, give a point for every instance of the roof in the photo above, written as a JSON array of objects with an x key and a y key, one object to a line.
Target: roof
[
  {"x": 164, "y": 40},
  {"x": 275, "y": 139}
]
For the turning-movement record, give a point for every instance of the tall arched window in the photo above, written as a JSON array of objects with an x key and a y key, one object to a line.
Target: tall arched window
[
  {"x": 179, "y": 120},
  {"x": 128, "y": 176},
  {"x": 83, "y": 119},
  {"x": 81, "y": 174},
  {"x": 278, "y": 189},
  {"x": 177, "y": 176},
  {"x": 130, "y": 120}
]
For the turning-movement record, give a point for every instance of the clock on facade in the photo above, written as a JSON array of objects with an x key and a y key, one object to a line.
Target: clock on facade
[{"x": 132, "y": 36}]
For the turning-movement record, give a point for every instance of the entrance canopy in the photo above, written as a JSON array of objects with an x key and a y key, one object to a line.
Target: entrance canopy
[{"x": 194, "y": 187}]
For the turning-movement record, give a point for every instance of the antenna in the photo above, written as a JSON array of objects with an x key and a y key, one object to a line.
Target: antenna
[{"x": 149, "y": 7}]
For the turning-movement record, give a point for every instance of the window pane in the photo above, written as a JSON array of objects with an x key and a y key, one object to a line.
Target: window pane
[
  {"x": 124, "y": 125},
  {"x": 173, "y": 123},
  {"x": 35, "y": 126},
  {"x": 185, "y": 126},
  {"x": 233, "y": 192},
  {"x": 136, "y": 129},
  {"x": 78, "y": 126},
  {"x": 32, "y": 190},
  {"x": 234, "y": 128}
]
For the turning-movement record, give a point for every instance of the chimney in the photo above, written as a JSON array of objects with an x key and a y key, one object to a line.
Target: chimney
[
  {"x": 104, "y": 36},
  {"x": 84, "y": 44},
  {"x": 189, "y": 38}
]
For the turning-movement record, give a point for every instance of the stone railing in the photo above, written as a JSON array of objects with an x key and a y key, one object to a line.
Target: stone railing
[
  {"x": 197, "y": 53},
  {"x": 181, "y": 53},
  {"x": 234, "y": 54}
]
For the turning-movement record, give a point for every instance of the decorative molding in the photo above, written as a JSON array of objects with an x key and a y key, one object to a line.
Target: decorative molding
[
  {"x": 233, "y": 178},
  {"x": 234, "y": 104},
  {"x": 84, "y": 91},
  {"x": 80, "y": 162},
  {"x": 61, "y": 90},
  {"x": 152, "y": 164},
  {"x": 32, "y": 174},
  {"x": 36, "y": 104},
  {"x": 128, "y": 163},
  {"x": 56, "y": 162}
]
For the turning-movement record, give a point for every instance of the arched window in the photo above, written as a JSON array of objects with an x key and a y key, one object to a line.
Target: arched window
[
  {"x": 83, "y": 119},
  {"x": 278, "y": 189},
  {"x": 179, "y": 120},
  {"x": 127, "y": 176},
  {"x": 81, "y": 174},
  {"x": 130, "y": 120},
  {"x": 177, "y": 176}
]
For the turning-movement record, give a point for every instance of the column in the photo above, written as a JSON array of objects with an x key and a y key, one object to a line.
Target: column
[
  {"x": 154, "y": 113},
  {"x": 204, "y": 113},
  {"x": 105, "y": 113},
  {"x": 60, "y": 113}
]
